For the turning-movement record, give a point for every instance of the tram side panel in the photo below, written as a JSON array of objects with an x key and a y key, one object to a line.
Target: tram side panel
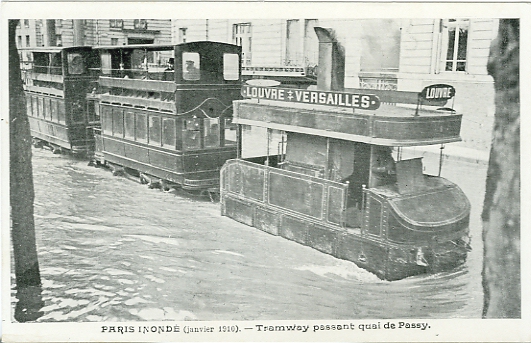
[{"x": 47, "y": 119}]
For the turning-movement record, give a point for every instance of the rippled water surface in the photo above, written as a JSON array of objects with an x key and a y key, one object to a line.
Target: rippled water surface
[{"x": 113, "y": 250}]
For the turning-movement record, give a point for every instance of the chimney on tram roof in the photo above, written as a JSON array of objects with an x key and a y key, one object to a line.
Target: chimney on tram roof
[{"x": 331, "y": 70}]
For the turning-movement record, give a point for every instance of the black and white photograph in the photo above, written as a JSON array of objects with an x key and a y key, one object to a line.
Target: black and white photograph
[{"x": 268, "y": 171}]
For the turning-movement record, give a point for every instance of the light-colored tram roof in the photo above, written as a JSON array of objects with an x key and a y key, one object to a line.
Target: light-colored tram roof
[
  {"x": 156, "y": 47},
  {"x": 56, "y": 49},
  {"x": 389, "y": 125}
]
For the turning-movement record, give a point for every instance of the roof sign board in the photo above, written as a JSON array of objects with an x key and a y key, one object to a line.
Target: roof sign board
[
  {"x": 340, "y": 99},
  {"x": 437, "y": 92}
]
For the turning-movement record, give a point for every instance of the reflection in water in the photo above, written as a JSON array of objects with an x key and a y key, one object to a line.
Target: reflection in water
[
  {"x": 113, "y": 250},
  {"x": 29, "y": 305}
]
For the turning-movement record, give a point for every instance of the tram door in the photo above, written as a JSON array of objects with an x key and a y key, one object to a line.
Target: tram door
[{"x": 349, "y": 162}]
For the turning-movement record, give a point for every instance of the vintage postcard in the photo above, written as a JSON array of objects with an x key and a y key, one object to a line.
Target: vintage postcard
[{"x": 263, "y": 171}]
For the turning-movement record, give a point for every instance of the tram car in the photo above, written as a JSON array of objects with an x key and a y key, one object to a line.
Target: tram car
[
  {"x": 56, "y": 87},
  {"x": 327, "y": 177},
  {"x": 166, "y": 112}
]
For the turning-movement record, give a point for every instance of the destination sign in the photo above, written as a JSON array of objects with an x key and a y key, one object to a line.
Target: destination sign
[
  {"x": 341, "y": 99},
  {"x": 438, "y": 92}
]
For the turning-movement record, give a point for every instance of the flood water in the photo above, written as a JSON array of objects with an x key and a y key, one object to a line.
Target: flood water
[{"x": 111, "y": 249}]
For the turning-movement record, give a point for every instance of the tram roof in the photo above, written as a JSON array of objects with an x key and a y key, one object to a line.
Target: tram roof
[
  {"x": 57, "y": 49},
  {"x": 389, "y": 125},
  {"x": 154, "y": 47}
]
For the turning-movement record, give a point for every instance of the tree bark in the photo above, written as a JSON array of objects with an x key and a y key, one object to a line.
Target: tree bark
[
  {"x": 501, "y": 208},
  {"x": 21, "y": 175}
]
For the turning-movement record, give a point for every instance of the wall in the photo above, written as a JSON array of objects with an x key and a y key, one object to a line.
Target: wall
[{"x": 474, "y": 89}]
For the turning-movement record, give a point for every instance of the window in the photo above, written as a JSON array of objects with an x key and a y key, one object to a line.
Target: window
[
  {"x": 76, "y": 65},
  {"x": 242, "y": 37},
  {"x": 26, "y": 23},
  {"x": 114, "y": 41},
  {"x": 230, "y": 132},
  {"x": 106, "y": 64},
  {"x": 58, "y": 40},
  {"x": 117, "y": 122},
  {"x": 48, "y": 109},
  {"x": 191, "y": 66},
  {"x": 27, "y": 40},
  {"x": 141, "y": 128},
  {"x": 192, "y": 133},
  {"x": 168, "y": 132},
  {"x": 182, "y": 35},
  {"x": 116, "y": 23},
  {"x": 211, "y": 132},
  {"x": 454, "y": 39},
  {"x": 61, "y": 112},
  {"x": 29, "y": 110},
  {"x": 129, "y": 125},
  {"x": 106, "y": 120},
  {"x": 231, "y": 66},
  {"x": 154, "y": 130},
  {"x": 140, "y": 24},
  {"x": 292, "y": 42},
  {"x": 19, "y": 41}
]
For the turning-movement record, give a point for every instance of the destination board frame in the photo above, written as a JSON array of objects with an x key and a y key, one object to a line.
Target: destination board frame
[{"x": 313, "y": 97}]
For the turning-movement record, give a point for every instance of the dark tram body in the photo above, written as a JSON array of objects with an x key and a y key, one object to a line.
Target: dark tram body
[
  {"x": 333, "y": 184},
  {"x": 170, "y": 126},
  {"x": 56, "y": 88},
  {"x": 318, "y": 167}
]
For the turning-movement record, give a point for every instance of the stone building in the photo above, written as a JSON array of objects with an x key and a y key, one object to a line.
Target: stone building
[
  {"x": 453, "y": 51},
  {"x": 394, "y": 54}
]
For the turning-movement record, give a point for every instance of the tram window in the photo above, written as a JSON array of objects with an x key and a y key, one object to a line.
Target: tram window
[
  {"x": 117, "y": 122},
  {"x": 40, "y": 62},
  {"x": 141, "y": 128},
  {"x": 154, "y": 130},
  {"x": 34, "y": 106},
  {"x": 106, "y": 120},
  {"x": 192, "y": 134},
  {"x": 230, "y": 66},
  {"x": 230, "y": 132},
  {"x": 41, "y": 107},
  {"x": 48, "y": 110},
  {"x": 168, "y": 132},
  {"x": 211, "y": 132},
  {"x": 56, "y": 64},
  {"x": 28, "y": 106},
  {"x": 375, "y": 216},
  {"x": 106, "y": 64},
  {"x": 76, "y": 65},
  {"x": 61, "y": 112},
  {"x": 191, "y": 66},
  {"x": 53, "y": 108},
  {"x": 129, "y": 125}
]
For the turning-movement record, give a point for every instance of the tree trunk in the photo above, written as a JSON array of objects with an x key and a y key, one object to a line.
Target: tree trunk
[
  {"x": 21, "y": 190},
  {"x": 501, "y": 208}
]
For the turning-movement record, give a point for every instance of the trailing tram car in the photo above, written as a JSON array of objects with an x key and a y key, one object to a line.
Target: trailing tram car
[
  {"x": 56, "y": 87},
  {"x": 166, "y": 111},
  {"x": 327, "y": 177}
]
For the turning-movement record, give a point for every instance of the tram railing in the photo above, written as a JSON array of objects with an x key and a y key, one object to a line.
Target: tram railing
[{"x": 296, "y": 194}]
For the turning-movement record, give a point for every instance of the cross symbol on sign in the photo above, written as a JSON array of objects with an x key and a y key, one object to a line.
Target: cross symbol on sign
[{"x": 290, "y": 95}]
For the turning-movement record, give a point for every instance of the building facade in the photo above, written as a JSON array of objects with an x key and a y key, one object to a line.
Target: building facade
[
  {"x": 453, "y": 51},
  {"x": 393, "y": 54}
]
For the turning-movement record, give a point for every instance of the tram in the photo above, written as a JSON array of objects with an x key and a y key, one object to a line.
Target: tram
[
  {"x": 166, "y": 111},
  {"x": 55, "y": 89},
  {"x": 327, "y": 177}
]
